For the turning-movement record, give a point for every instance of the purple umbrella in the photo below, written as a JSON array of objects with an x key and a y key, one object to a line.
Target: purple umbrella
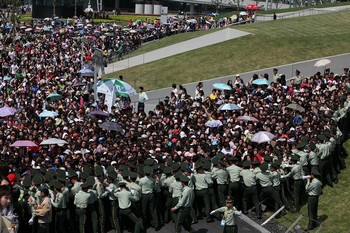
[
  {"x": 7, "y": 111},
  {"x": 98, "y": 113},
  {"x": 23, "y": 143},
  {"x": 247, "y": 118}
]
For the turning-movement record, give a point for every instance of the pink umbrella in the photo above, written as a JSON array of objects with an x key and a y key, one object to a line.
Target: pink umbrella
[
  {"x": 7, "y": 111},
  {"x": 247, "y": 118},
  {"x": 23, "y": 143}
]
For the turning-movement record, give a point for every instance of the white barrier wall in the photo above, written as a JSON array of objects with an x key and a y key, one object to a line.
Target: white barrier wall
[
  {"x": 157, "y": 9},
  {"x": 139, "y": 8}
]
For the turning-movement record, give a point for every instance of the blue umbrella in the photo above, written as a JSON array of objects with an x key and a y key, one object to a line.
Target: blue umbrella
[
  {"x": 47, "y": 113},
  {"x": 150, "y": 26},
  {"x": 86, "y": 72},
  {"x": 213, "y": 123},
  {"x": 222, "y": 86},
  {"x": 261, "y": 81},
  {"x": 229, "y": 107}
]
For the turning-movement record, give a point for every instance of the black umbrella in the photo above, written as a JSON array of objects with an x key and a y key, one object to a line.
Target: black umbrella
[
  {"x": 113, "y": 126},
  {"x": 79, "y": 84},
  {"x": 99, "y": 113}
]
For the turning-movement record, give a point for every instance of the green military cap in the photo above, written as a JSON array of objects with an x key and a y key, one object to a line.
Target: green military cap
[
  {"x": 122, "y": 183},
  {"x": 91, "y": 181},
  {"x": 132, "y": 164},
  {"x": 215, "y": 161},
  {"x": 125, "y": 173},
  {"x": 177, "y": 175},
  {"x": 27, "y": 181},
  {"x": 110, "y": 168},
  {"x": 175, "y": 167},
  {"x": 199, "y": 165},
  {"x": 233, "y": 159},
  {"x": 72, "y": 173},
  {"x": 255, "y": 162},
  {"x": 220, "y": 155},
  {"x": 277, "y": 151},
  {"x": 149, "y": 162},
  {"x": 305, "y": 139},
  {"x": 322, "y": 137},
  {"x": 147, "y": 170},
  {"x": 133, "y": 175},
  {"x": 312, "y": 146},
  {"x": 264, "y": 166},
  {"x": 42, "y": 170},
  {"x": 99, "y": 171},
  {"x": 51, "y": 172},
  {"x": 183, "y": 166},
  {"x": 155, "y": 167},
  {"x": 48, "y": 177},
  {"x": 167, "y": 170},
  {"x": 301, "y": 145},
  {"x": 294, "y": 158},
  {"x": 85, "y": 185},
  {"x": 38, "y": 179},
  {"x": 267, "y": 158},
  {"x": 184, "y": 178},
  {"x": 161, "y": 166},
  {"x": 61, "y": 175},
  {"x": 222, "y": 163},
  {"x": 87, "y": 169},
  {"x": 246, "y": 164},
  {"x": 112, "y": 174},
  {"x": 33, "y": 172},
  {"x": 206, "y": 165},
  {"x": 84, "y": 175},
  {"x": 51, "y": 183},
  {"x": 169, "y": 162},
  {"x": 58, "y": 185},
  {"x": 315, "y": 172},
  {"x": 123, "y": 167},
  {"x": 275, "y": 165}
]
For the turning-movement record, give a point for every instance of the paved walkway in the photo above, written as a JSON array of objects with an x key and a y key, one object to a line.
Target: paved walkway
[{"x": 182, "y": 47}]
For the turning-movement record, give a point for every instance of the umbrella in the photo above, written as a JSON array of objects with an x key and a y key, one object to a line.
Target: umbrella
[
  {"x": 261, "y": 81},
  {"x": 53, "y": 141},
  {"x": 229, "y": 107},
  {"x": 150, "y": 26},
  {"x": 262, "y": 136},
  {"x": 242, "y": 13},
  {"x": 28, "y": 29},
  {"x": 47, "y": 113},
  {"x": 23, "y": 143},
  {"x": 121, "y": 88},
  {"x": 213, "y": 123},
  {"x": 252, "y": 7},
  {"x": 296, "y": 107},
  {"x": 322, "y": 62},
  {"x": 79, "y": 84},
  {"x": 98, "y": 113},
  {"x": 86, "y": 72},
  {"x": 222, "y": 86},
  {"x": 7, "y": 111},
  {"x": 113, "y": 126},
  {"x": 247, "y": 118},
  {"x": 54, "y": 97}
]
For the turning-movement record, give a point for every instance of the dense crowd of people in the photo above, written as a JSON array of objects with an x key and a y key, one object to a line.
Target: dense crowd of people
[{"x": 176, "y": 163}]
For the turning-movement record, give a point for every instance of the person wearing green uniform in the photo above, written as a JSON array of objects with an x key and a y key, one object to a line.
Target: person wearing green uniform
[
  {"x": 59, "y": 202},
  {"x": 183, "y": 207},
  {"x": 230, "y": 212},
  {"x": 250, "y": 190},
  {"x": 234, "y": 188},
  {"x": 175, "y": 190},
  {"x": 147, "y": 184},
  {"x": 81, "y": 200},
  {"x": 314, "y": 189},
  {"x": 91, "y": 208},
  {"x": 265, "y": 182},
  {"x": 222, "y": 177},
  {"x": 99, "y": 187},
  {"x": 125, "y": 197}
]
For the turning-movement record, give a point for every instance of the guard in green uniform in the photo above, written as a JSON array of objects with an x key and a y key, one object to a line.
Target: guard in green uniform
[
  {"x": 234, "y": 188},
  {"x": 175, "y": 190},
  {"x": 201, "y": 182},
  {"x": 81, "y": 200},
  {"x": 314, "y": 189},
  {"x": 250, "y": 190},
  {"x": 222, "y": 177},
  {"x": 99, "y": 187},
  {"x": 184, "y": 207},
  {"x": 229, "y": 215},
  {"x": 169, "y": 179},
  {"x": 265, "y": 182},
  {"x": 147, "y": 198},
  {"x": 92, "y": 203},
  {"x": 59, "y": 203},
  {"x": 125, "y": 197}
]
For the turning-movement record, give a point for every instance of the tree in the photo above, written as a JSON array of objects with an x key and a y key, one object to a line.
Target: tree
[{"x": 220, "y": 3}]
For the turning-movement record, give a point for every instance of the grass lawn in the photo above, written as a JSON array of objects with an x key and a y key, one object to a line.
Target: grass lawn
[
  {"x": 332, "y": 208},
  {"x": 271, "y": 43}
]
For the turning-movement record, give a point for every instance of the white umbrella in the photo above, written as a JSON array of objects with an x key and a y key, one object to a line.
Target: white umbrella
[
  {"x": 229, "y": 107},
  {"x": 121, "y": 88},
  {"x": 262, "y": 136},
  {"x": 47, "y": 113},
  {"x": 322, "y": 63},
  {"x": 213, "y": 123},
  {"x": 53, "y": 141},
  {"x": 242, "y": 13}
]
